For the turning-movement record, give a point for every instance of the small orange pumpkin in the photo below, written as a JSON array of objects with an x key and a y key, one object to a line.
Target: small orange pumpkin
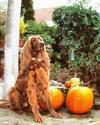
[
  {"x": 79, "y": 99},
  {"x": 56, "y": 99},
  {"x": 67, "y": 84}
]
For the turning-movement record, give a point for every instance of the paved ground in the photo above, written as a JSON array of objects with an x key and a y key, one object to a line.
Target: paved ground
[{"x": 8, "y": 117}]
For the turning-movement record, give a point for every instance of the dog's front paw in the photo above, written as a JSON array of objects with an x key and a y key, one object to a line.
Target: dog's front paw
[
  {"x": 38, "y": 118},
  {"x": 56, "y": 115}
]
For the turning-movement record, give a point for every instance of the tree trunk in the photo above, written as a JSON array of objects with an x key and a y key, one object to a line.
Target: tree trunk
[{"x": 11, "y": 44}]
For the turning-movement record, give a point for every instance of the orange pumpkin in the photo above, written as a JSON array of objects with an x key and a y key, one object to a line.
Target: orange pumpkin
[
  {"x": 79, "y": 99},
  {"x": 56, "y": 99},
  {"x": 67, "y": 84}
]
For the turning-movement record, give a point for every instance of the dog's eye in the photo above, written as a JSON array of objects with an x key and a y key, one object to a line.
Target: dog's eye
[
  {"x": 40, "y": 39},
  {"x": 33, "y": 39}
]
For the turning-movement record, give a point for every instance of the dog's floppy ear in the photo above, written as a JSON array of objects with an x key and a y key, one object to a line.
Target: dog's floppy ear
[
  {"x": 33, "y": 42},
  {"x": 26, "y": 55}
]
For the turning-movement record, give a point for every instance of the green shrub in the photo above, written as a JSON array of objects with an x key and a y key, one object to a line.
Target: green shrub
[
  {"x": 2, "y": 25},
  {"x": 34, "y": 28},
  {"x": 77, "y": 37},
  {"x": 2, "y": 31}
]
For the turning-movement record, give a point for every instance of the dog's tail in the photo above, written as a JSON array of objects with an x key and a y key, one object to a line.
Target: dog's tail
[{"x": 4, "y": 105}]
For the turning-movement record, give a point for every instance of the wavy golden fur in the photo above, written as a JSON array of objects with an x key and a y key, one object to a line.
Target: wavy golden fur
[{"x": 32, "y": 82}]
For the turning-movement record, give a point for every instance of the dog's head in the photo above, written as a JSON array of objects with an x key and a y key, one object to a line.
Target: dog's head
[
  {"x": 33, "y": 48},
  {"x": 37, "y": 43}
]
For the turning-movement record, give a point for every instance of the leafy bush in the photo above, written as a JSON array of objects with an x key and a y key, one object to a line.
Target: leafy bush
[
  {"x": 2, "y": 25},
  {"x": 2, "y": 31},
  {"x": 23, "y": 26},
  {"x": 77, "y": 37},
  {"x": 34, "y": 28}
]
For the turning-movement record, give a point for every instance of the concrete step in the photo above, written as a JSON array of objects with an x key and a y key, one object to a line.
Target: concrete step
[{"x": 96, "y": 103}]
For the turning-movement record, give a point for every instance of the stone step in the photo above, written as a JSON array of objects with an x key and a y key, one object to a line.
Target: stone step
[{"x": 96, "y": 103}]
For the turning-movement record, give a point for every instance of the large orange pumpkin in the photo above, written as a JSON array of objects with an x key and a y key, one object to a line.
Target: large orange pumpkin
[
  {"x": 79, "y": 99},
  {"x": 56, "y": 99}
]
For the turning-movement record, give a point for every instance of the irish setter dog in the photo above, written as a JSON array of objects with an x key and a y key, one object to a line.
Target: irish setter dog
[{"x": 33, "y": 80}]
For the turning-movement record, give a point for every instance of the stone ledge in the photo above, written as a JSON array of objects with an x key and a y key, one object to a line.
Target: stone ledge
[{"x": 96, "y": 104}]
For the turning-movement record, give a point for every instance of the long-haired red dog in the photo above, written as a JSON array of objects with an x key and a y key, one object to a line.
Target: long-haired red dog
[{"x": 32, "y": 82}]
